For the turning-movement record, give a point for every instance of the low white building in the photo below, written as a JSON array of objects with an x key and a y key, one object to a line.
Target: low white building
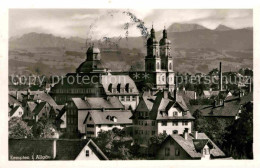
[{"x": 97, "y": 121}]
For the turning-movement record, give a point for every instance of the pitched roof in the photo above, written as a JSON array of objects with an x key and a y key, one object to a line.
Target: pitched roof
[
  {"x": 189, "y": 146},
  {"x": 12, "y": 100},
  {"x": 98, "y": 103},
  {"x": 230, "y": 108},
  {"x": 100, "y": 117},
  {"x": 14, "y": 110},
  {"x": 39, "y": 108}
]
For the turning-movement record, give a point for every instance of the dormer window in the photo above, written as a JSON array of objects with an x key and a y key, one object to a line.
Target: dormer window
[
  {"x": 127, "y": 87},
  {"x": 110, "y": 87}
]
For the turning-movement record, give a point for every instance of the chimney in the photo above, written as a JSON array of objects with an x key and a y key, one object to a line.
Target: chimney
[
  {"x": 220, "y": 77},
  {"x": 196, "y": 135},
  {"x": 165, "y": 93},
  {"x": 195, "y": 95},
  {"x": 184, "y": 90},
  {"x": 175, "y": 95},
  {"x": 85, "y": 98},
  {"x": 210, "y": 89},
  {"x": 185, "y": 135},
  {"x": 54, "y": 147}
]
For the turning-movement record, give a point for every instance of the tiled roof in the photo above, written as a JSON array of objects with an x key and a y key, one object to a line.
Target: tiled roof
[
  {"x": 38, "y": 108},
  {"x": 100, "y": 117},
  {"x": 98, "y": 103},
  {"x": 14, "y": 110},
  {"x": 12, "y": 100},
  {"x": 189, "y": 147},
  {"x": 118, "y": 79},
  {"x": 230, "y": 108}
]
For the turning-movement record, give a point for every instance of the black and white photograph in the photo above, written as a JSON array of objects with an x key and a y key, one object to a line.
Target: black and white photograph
[{"x": 119, "y": 84}]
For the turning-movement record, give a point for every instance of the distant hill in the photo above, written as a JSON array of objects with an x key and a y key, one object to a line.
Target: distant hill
[
  {"x": 180, "y": 27},
  {"x": 222, "y": 28}
]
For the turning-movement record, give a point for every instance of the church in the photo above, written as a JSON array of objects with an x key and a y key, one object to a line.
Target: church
[{"x": 159, "y": 74}]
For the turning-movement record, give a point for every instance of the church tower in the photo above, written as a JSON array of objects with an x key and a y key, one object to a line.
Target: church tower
[
  {"x": 152, "y": 60},
  {"x": 166, "y": 60}
]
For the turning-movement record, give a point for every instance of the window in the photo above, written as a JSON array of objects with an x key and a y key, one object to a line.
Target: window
[
  {"x": 90, "y": 132},
  {"x": 175, "y": 123},
  {"x": 170, "y": 66},
  {"x": 167, "y": 151},
  {"x": 87, "y": 153},
  {"x": 158, "y": 65},
  {"x": 153, "y": 132},
  {"x": 177, "y": 152},
  {"x": 122, "y": 98},
  {"x": 184, "y": 122},
  {"x": 90, "y": 118},
  {"x": 176, "y": 113},
  {"x": 20, "y": 113},
  {"x": 127, "y": 98},
  {"x": 164, "y": 131},
  {"x": 153, "y": 123},
  {"x": 90, "y": 125},
  {"x": 175, "y": 132},
  {"x": 164, "y": 123}
]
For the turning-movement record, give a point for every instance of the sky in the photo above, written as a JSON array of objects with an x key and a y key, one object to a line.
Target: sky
[{"x": 97, "y": 23}]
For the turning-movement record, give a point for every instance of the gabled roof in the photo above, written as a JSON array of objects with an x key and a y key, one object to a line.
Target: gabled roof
[
  {"x": 14, "y": 110},
  {"x": 39, "y": 108},
  {"x": 188, "y": 145},
  {"x": 100, "y": 117},
  {"x": 69, "y": 149},
  {"x": 12, "y": 100},
  {"x": 98, "y": 103}
]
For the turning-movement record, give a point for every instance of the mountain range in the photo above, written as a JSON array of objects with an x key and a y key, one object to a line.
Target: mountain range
[{"x": 181, "y": 36}]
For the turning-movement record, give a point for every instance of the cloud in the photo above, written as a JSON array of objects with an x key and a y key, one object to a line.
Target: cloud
[{"x": 97, "y": 23}]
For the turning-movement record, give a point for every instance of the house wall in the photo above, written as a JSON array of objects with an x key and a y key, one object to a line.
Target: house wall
[
  {"x": 173, "y": 146},
  {"x": 64, "y": 119},
  {"x": 143, "y": 130},
  {"x": 90, "y": 131},
  {"x": 82, "y": 154},
  {"x": 170, "y": 127},
  {"x": 132, "y": 103},
  {"x": 82, "y": 114}
]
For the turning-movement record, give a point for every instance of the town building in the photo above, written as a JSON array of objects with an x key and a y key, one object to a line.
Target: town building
[
  {"x": 93, "y": 80},
  {"x": 54, "y": 149},
  {"x": 97, "y": 121},
  {"x": 161, "y": 113},
  {"x": 188, "y": 146}
]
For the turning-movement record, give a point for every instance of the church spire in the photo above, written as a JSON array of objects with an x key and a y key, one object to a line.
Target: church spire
[{"x": 164, "y": 33}]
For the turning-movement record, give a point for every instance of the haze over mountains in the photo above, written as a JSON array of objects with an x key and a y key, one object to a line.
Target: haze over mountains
[{"x": 190, "y": 44}]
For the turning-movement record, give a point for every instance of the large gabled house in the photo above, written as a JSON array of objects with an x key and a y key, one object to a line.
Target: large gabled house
[
  {"x": 97, "y": 121},
  {"x": 76, "y": 111},
  {"x": 160, "y": 114},
  {"x": 188, "y": 147}
]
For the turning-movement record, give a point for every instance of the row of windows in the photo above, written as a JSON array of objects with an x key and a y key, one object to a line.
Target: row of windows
[
  {"x": 167, "y": 152},
  {"x": 80, "y": 90},
  {"x": 72, "y": 120},
  {"x": 72, "y": 112},
  {"x": 127, "y": 98},
  {"x": 144, "y": 132},
  {"x": 174, "y": 123},
  {"x": 146, "y": 123}
]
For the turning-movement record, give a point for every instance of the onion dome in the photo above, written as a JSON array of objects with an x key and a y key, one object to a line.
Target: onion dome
[
  {"x": 152, "y": 40},
  {"x": 164, "y": 40}
]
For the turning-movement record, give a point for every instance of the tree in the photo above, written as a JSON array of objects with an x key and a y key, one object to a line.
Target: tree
[
  {"x": 115, "y": 144},
  {"x": 19, "y": 129},
  {"x": 44, "y": 128},
  {"x": 156, "y": 140},
  {"x": 239, "y": 141}
]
